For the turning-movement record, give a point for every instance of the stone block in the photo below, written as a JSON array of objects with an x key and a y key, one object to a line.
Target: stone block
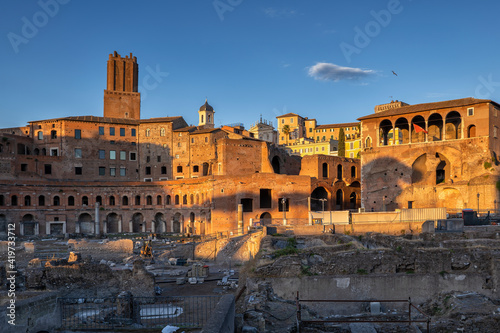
[
  {"x": 428, "y": 226},
  {"x": 29, "y": 247},
  {"x": 375, "y": 308}
]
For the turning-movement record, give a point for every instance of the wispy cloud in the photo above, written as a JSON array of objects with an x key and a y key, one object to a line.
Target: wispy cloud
[
  {"x": 279, "y": 13},
  {"x": 330, "y": 72}
]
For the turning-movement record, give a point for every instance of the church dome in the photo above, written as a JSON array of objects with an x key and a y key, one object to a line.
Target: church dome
[{"x": 206, "y": 107}]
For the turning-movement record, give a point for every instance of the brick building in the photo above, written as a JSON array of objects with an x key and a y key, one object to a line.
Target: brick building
[
  {"x": 121, "y": 173},
  {"x": 445, "y": 155}
]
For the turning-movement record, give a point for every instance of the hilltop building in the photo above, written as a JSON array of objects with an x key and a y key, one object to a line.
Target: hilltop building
[
  {"x": 121, "y": 173},
  {"x": 446, "y": 155}
]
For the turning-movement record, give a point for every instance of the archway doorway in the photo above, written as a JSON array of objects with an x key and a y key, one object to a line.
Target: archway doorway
[
  {"x": 137, "y": 222},
  {"x": 86, "y": 223},
  {"x": 339, "y": 200},
  {"x": 29, "y": 225},
  {"x": 160, "y": 223},
  {"x": 318, "y": 196},
  {"x": 177, "y": 223},
  {"x": 266, "y": 219},
  {"x": 112, "y": 221}
]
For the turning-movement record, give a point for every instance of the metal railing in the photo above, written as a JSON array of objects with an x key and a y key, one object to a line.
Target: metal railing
[
  {"x": 410, "y": 320},
  {"x": 136, "y": 312}
]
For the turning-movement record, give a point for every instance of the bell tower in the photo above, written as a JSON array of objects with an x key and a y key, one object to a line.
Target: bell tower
[
  {"x": 206, "y": 115},
  {"x": 121, "y": 98}
]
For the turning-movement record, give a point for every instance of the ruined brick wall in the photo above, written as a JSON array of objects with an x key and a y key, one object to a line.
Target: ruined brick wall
[{"x": 444, "y": 172}]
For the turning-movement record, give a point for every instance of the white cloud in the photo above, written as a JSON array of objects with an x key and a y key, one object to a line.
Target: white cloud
[
  {"x": 331, "y": 72},
  {"x": 279, "y": 13}
]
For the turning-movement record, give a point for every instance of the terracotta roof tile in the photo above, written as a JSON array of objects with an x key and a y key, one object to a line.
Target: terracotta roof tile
[{"x": 428, "y": 107}]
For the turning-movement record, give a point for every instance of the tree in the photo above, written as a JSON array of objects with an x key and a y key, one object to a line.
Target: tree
[
  {"x": 286, "y": 131},
  {"x": 341, "y": 142}
]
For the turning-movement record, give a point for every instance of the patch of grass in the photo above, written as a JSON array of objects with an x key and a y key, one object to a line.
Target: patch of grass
[
  {"x": 360, "y": 238},
  {"x": 410, "y": 271},
  {"x": 399, "y": 249},
  {"x": 487, "y": 165},
  {"x": 347, "y": 232},
  {"x": 292, "y": 242},
  {"x": 305, "y": 270},
  {"x": 362, "y": 271},
  {"x": 285, "y": 252},
  {"x": 443, "y": 273}
]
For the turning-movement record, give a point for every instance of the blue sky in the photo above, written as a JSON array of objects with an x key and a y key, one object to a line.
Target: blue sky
[{"x": 329, "y": 60}]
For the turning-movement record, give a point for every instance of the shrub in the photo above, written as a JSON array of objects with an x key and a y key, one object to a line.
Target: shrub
[
  {"x": 362, "y": 272},
  {"x": 487, "y": 165}
]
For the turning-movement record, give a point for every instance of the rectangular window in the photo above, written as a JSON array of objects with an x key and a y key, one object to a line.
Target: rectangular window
[
  {"x": 24, "y": 167},
  {"x": 133, "y": 156},
  {"x": 54, "y": 152},
  {"x": 48, "y": 169},
  {"x": 283, "y": 203},
  {"x": 78, "y": 170},
  {"x": 101, "y": 130},
  {"x": 102, "y": 154},
  {"x": 283, "y": 121},
  {"x": 495, "y": 112},
  {"x": 102, "y": 171},
  {"x": 78, "y": 152},
  {"x": 192, "y": 140},
  {"x": 158, "y": 159},
  {"x": 112, "y": 154},
  {"x": 163, "y": 170},
  {"x": 78, "y": 134},
  {"x": 291, "y": 120},
  {"x": 112, "y": 171},
  {"x": 122, "y": 131},
  {"x": 122, "y": 171},
  {"x": 352, "y": 145},
  {"x": 40, "y": 135},
  {"x": 148, "y": 159},
  {"x": 148, "y": 170},
  {"x": 265, "y": 198},
  {"x": 470, "y": 111},
  {"x": 495, "y": 132},
  {"x": 123, "y": 155},
  {"x": 133, "y": 131},
  {"x": 247, "y": 205},
  {"x": 112, "y": 131}
]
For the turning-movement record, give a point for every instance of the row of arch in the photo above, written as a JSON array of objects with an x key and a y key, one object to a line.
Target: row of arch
[
  {"x": 325, "y": 171},
  {"x": 320, "y": 200},
  {"x": 111, "y": 200},
  {"x": 436, "y": 128},
  {"x": 86, "y": 224}
]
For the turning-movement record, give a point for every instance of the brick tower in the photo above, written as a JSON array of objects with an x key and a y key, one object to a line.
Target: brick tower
[{"x": 121, "y": 99}]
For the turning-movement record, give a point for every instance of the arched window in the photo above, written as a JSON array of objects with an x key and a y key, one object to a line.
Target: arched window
[
  {"x": 41, "y": 200},
  {"x": 339, "y": 171},
  {"x": 71, "y": 200},
  {"x": 471, "y": 131},
  {"x": 191, "y": 199},
  {"x": 27, "y": 200},
  {"x": 149, "y": 200},
  {"x": 111, "y": 200},
  {"x": 98, "y": 200},
  {"x": 402, "y": 135},
  {"x": 158, "y": 200},
  {"x": 169, "y": 199},
  {"x": 368, "y": 142},
  {"x": 384, "y": 128},
  {"x": 453, "y": 126},
  {"x": 137, "y": 200},
  {"x": 148, "y": 132},
  {"x": 176, "y": 199},
  {"x": 197, "y": 199},
  {"x": 435, "y": 127},
  {"x": 185, "y": 199},
  {"x": 124, "y": 200},
  {"x": 57, "y": 201},
  {"x": 85, "y": 201},
  {"x": 325, "y": 170},
  {"x": 353, "y": 172},
  {"x": 13, "y": 200}
]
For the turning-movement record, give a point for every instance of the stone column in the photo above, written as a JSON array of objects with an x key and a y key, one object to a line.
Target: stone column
[
  {"x": 153, "y": 226},
  {"x": 240, "y": 219},
  {"x": 172, "y": 225},
  {"x": 97, "y": 226},
  {"x": 120, "y": 225},
  {"x": 309, "y": 215},
  {"x": 130, "y": 226}
]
